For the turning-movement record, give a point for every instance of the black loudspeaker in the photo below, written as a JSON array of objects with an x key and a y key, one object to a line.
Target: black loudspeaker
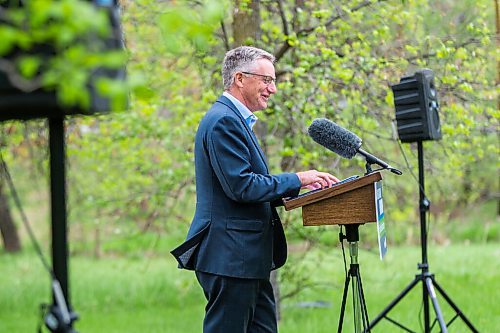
[
  {"x": 417, "y": 107},
  {"x": 41, "y": 103}
]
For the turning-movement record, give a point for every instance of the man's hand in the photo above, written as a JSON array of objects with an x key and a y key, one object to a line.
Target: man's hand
[{"x": 313, "y": 179}]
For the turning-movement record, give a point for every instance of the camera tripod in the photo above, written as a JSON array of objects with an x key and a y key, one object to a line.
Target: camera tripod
[
  {"x": 425, "y": 276},
  {"x": 354, "y": 276}
]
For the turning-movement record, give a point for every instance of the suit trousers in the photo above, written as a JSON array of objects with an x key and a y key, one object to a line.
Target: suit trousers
[{"x": 236, "y": 305}]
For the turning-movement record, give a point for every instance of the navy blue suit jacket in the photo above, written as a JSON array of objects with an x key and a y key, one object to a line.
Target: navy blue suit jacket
[{"x": 236, "y": 230}]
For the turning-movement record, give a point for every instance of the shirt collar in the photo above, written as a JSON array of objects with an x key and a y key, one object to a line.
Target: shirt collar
[{"x": 244, "y": 111}]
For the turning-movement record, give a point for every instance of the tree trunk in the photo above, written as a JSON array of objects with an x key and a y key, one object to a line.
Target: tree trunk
[
  {"x": 8, "y": 229},
  {"x": 246, "y": 22}
]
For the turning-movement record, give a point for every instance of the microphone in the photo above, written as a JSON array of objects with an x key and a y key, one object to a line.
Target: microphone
[{"x": 342, "y": 141}]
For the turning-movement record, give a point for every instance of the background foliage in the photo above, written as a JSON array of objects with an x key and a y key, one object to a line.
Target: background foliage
[
  {"x": 335, "y": 61},
  {"x": 131, "y": 175},
  {"x": 57, "y": 46}
]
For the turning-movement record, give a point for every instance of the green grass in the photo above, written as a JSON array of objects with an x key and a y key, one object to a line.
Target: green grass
[
  {"x": 468, "y": 274},
  {"x": 152, "y": 295}
]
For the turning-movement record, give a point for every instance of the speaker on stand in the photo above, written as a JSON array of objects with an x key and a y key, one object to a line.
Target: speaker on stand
[
  {"x": 417, "y": 118},
  {"x": 417, "y": 107}
]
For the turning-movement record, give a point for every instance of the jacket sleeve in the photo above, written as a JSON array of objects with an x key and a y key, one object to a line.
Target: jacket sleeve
[{"x": 228, "y": 148}]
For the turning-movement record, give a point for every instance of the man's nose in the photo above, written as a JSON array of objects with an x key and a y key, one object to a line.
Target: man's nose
[{"x": 272, "y": 88}]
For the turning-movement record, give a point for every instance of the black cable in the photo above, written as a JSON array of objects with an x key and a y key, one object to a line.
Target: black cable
[
  {"x": 56, "y": 317},
  {"x": 419, "y": 185},
  {"x": 341, "y": 238},
  {"x": 420, "y": 314},
  {"x": 428, "y": 217},
  {"x": 26, "y": 223},
  {"x": 427, "y": 227},
  {"x": 409, "y": 168}
]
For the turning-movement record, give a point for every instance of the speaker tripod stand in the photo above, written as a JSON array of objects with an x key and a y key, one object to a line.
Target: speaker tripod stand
[
  {"x": 427, "y": 278},
  {"x": 354, "y": 276}
]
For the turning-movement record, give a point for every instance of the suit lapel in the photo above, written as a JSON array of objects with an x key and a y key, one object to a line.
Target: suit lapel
[{"x": 227, "y": 102}]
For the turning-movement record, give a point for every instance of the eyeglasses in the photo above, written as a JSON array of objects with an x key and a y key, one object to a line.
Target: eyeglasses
[{"x": 266, "y": 78}]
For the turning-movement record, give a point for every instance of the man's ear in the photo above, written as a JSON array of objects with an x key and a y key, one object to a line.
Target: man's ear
[{"x": 238, "y": 79}]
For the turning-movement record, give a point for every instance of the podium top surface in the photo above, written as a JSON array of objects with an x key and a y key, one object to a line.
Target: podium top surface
[{"x": 318, "y": 195}]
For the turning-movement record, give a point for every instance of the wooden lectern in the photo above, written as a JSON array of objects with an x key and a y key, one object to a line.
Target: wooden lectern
[{"x": 352, "y": 202}]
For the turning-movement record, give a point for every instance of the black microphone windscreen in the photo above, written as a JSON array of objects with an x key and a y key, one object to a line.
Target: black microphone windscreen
[{"x": 336, "y": 138}]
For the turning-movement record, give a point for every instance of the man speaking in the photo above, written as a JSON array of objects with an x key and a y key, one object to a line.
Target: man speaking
[{"x": 236, "y": 237}]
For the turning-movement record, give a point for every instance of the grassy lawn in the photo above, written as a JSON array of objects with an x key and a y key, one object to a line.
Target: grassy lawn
[
  {"x": 468, "y": 274},
  {"x": 151, "y": 295}
]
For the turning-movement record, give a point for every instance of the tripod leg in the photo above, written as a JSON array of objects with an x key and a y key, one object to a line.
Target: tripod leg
[
  {"x": 362, "y": 303},
  {"x": 437, "y": 309},
  {"x": 344, "y": 299},
  {"x": 356, "y": 300},
  {"x": 425, "y": 304},
  {"x": 457, "y": 310},
  {"x": 395, "y": 301}
]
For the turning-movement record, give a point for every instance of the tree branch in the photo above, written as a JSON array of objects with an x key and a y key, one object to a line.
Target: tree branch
[
  {"x": 224, "y": 35},
  {"x": 300, "y": 287},
  {"x": 18, "y": 80},
  {"x": 283, "y": 17},
  {"x": 306, "y": 31},
  {"x": 433, "y": 54}
]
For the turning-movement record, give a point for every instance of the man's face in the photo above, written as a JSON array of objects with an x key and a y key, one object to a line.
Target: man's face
[{"x": 255, "y": 91}]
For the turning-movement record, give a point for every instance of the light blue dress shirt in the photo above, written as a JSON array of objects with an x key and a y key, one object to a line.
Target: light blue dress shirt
[{"x": 248, "y": 115}]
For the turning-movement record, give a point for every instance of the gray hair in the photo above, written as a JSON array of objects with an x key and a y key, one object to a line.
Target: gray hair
[{"x": 242, "y": 58}]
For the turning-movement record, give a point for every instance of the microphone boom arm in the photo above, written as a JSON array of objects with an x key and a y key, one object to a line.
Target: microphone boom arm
[{"x": 370, "y": 159}]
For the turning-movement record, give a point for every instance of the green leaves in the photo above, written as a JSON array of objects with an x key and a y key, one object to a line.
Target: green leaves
[
  {"x": 183, "y": 27},
  {"x": 28, "y": 66},
  {"x": 138, "y": 166},
  {"x": 60, "y": 44}
]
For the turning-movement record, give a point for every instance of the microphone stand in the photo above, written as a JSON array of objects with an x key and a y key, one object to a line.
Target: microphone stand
[
  {"x": 353, "y": 276},
  {"x": 361, "y": 321},
  {"x": 370, "y": 159},
  {"x": 426, "y": 277},
  {"x": 368, "y": 168}
]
